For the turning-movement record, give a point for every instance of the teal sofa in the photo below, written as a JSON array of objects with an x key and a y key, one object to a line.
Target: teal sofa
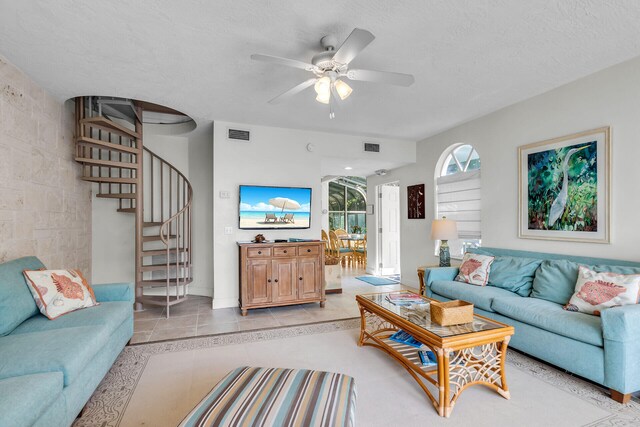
[
  {"x": 528, "y": 290},
  {"x": 50, "y": 368}
]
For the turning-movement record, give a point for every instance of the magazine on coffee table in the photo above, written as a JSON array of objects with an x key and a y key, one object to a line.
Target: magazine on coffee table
[{"x": 403, "y": 337}]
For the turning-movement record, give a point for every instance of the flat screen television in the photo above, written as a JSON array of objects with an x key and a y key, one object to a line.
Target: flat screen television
[{"x": 283, "y": 208}]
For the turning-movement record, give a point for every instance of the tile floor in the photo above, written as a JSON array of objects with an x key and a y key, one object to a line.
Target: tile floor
[{"x": 195, "y": 317}]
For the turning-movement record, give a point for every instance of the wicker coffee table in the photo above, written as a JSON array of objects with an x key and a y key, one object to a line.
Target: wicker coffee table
[{"x": 467, "y": 354}]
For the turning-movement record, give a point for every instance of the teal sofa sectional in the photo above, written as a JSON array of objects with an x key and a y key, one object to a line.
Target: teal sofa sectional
[
  {"x": 50, "y": 368},
  {"x": 528, "y": 290}
]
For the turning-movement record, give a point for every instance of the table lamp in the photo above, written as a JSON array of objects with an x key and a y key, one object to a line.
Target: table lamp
[{"x": 444, "y": 230}]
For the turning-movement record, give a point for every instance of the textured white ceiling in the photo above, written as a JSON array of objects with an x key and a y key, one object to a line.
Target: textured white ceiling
[{"x": 469, "y": 57}]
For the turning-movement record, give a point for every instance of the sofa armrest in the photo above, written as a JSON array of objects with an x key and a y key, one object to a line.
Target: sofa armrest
[
  {"x": 621, "y": 332},
  {"x": 621, "y": 324},
  {"x": 114, "y": 292},
  {"x": 432, "y": 274}
]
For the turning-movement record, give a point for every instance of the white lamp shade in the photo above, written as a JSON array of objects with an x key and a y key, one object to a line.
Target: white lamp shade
[
  {"x": 444, "y": 229},
  {"x": 343, "y": 89}
]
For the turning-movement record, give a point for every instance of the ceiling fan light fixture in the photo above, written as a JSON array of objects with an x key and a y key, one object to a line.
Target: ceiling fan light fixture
[
  {"x": 343, "y": 89},
  {"x": 323, "y": 98},
  {"x": 323, "y": 86}
]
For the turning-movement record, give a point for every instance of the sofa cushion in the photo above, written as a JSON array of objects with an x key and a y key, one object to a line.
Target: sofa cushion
[
  {"x": 24, "y": 399},
  {"x": 481, "y": 297},
  {"x": 16, "y": 302},
  {"x": 555, "y": 280},
  {"x": 551, "y": 317},
  {"x": 475, "y": 269},
  {"x": 598, "y": 291},
  {"x": 111, "y": 314},
  {"x": 514, "y": 274},
  {"x": 59, "y": 292},
  {"x": 68, "y": 350}
]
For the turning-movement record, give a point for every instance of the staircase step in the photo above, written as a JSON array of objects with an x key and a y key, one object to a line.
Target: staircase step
[
  {"x": 161, "y": 282},
  {"x": 160, "y": 252},
  {"x": 160, "y": 267},
  {"x": 97, "y": 143},
  {"x": 155, "y": 238},
  {"x": 109, "y": 180},
  {"x": 127, "y": 210},
  {"x": 161, "y": 300},
  {"x": 152, "y": 224},
  {"x": 106, "y": 163},
  {"x": 117, "y": 195},
  {"x": 103, "y": 122}
]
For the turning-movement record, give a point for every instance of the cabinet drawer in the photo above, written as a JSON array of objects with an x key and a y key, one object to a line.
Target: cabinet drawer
[
  {"x": 284, "y": 251},
  {"x": 258, "y": 252},
  {"x": 308, "y": 250}
]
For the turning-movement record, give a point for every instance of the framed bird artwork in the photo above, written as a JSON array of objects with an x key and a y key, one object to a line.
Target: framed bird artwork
[
  {"x": 415, "y": 205},
  {"x": 564, "y": 186}
]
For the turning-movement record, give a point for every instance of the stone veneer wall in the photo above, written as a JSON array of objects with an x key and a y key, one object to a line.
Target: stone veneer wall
[{"x": 45, "y": 209}]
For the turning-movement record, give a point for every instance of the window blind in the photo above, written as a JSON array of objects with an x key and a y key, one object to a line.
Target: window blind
[{"x": 458, "y": 198}]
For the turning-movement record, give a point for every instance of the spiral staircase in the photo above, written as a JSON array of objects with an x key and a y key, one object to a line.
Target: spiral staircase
[{"x": 109, "y": 146}]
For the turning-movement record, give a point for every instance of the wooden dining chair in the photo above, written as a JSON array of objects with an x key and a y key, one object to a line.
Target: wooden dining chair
[
  {"x": 344, "y": 254},
  {"x": 342, "y": 232},
  {"x": 360, "y": 251},
  {"x": 327, "y": 244}
]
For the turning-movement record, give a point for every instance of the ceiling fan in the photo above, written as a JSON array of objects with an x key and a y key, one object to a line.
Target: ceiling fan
[{"x": 331, "y": 66}]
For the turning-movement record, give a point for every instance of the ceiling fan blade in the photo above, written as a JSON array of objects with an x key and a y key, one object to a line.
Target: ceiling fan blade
[
  {"x": 283, "y": 61},
  {"x": 381, "y": 77},
  {"x": 293, "y": 91},
  {"x": 353, "y": 45}
]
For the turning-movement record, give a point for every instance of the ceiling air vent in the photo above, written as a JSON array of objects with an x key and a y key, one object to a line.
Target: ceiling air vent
[
  {"x": 239, "y": 135},
  {"x": 371, "y": 147}
]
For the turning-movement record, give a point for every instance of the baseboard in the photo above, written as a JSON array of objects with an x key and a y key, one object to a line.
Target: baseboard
[
  {"x": 225, "y": 302},
  {"x": 201, "y": 291}
]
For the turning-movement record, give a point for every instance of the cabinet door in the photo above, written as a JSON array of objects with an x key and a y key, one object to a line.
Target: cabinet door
[
  {"x": 284, "y": 278},
  {"x": 309, "y": 278},
  {"x": 259, "y": 281}
]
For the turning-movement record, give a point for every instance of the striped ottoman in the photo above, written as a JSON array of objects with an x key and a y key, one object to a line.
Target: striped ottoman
[{"x": 277, "y": 397}]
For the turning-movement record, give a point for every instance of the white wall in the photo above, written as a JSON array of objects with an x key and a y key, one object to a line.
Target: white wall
[
  {"x": 610, "y": 97},
  {"x": 201, "y": 178},
  {"x": 278, "y": 157}
]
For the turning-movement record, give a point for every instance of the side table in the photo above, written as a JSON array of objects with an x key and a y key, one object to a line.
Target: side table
[{"x": 421, "y": 270}]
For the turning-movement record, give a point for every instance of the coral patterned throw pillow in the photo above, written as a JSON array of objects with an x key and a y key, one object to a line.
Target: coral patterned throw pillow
[
  {"x": 59, "y": 292},
  {"x": 475, "y": 269},
  {"x": 596, "y": 291}
]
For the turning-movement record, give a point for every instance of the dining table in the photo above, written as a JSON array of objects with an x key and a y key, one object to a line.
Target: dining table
[{"x": 349, "y": 238}]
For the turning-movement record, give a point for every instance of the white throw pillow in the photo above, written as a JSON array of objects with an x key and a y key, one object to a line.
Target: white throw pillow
[
  {"x": 475, "y": 269},
  {"x": 58, "y": 292},
  {"x": 596, "y": 291}
]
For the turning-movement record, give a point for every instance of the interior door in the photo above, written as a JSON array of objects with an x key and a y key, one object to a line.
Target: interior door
[
  {"x": 389, "y": 229},
  {"x": 259, "y": 281},
  {"x": 284, "y": 280},
  {"x": 309, "y": 278}
]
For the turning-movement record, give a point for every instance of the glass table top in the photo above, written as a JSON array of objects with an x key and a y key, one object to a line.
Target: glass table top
[{"x": 420, "y": 315}]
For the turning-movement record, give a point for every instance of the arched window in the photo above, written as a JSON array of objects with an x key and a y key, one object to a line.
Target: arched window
[
  {"x": 458, "y": 195},
  {"x": 347, "y": 205}
]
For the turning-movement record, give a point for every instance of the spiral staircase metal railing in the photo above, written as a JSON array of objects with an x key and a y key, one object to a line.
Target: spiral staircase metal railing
[{"x": 109, "y": 145}]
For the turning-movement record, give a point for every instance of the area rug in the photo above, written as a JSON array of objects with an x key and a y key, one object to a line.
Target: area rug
[
  {"x": 377, "y": 281},
  {"x": 177, "y": 371}
]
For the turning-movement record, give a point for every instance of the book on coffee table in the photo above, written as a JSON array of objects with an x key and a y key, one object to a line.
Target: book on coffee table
[
  {"x": 403, "y": 337},
  {"x": 427, "y": 358}
]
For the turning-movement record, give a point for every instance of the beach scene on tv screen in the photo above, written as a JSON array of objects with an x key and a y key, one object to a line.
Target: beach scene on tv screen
[{"x": 275, "y": 207}]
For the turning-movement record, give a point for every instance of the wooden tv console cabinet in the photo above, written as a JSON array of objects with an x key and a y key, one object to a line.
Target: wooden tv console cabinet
[{"x": 275, "y": 274}]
